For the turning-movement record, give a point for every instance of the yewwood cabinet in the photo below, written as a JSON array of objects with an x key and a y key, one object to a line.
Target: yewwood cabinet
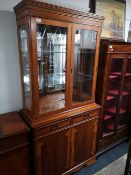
[
  {"x": 61, "y": 151},
  {"x": 59, "y": 50}
]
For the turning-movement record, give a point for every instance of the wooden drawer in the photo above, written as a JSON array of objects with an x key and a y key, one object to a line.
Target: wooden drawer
[
  {"x": 86, "y": 116},
  {"x": 52, "y": 127},
  {"x": 13, "y": 142},
  {"x": 13, "y": 132},
  {"x": 44, "y": 130}
]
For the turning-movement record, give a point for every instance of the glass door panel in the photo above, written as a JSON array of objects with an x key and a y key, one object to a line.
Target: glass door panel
[
  {"x": 51, "y": 50},
  {"x": 84, "y": 58},
  {"x": 112, "y": 98},
  {"x": 125, "y": 97},
  {"x": 25, "y": 65},
  {"x": 128, "y": 76}
]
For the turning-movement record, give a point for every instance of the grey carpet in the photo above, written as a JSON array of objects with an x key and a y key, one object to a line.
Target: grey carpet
[{"x": 115, "y": 168}]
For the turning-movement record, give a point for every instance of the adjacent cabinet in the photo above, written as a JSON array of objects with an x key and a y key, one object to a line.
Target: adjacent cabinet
[
  {"x": 114, "y": 92},
  {"x": 58, "y": 49}
]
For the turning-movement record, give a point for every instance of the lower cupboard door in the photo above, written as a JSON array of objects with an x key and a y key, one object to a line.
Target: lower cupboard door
[
  {"x": 55, "y": 153},
  {"x": 84, "y": 138}
]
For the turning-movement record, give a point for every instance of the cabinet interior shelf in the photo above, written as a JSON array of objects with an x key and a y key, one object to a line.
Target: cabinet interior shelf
[
  {"x": 105, "y": 134},
  {"x": 116, "y": 92},
  {"x": 119, "y": 74},
  {"x": 107, "y": 117},
  {"x": 109, "y": 97},
  {"x": 110, "y": 126},
  {"x": 113, "y": 110},
  {"x": 113, "y": 76}
]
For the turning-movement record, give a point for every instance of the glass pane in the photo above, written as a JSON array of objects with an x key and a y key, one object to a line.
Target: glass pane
[
  {"x": 125, "y": 97},
  {"x": 51, "y": 48},
  {"x": 112, "y": 99},
  {"x": 84, "y": 57},
  {"x": 25, "y": 65}
]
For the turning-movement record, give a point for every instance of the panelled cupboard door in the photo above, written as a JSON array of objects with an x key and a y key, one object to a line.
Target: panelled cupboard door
[
  {"x": 55, "y": 152},
  {"x": 84, "y": 138},
  {"x": 16, "y": 162}
]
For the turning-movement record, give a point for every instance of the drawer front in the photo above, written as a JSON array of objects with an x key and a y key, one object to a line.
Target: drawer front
[
  {"x": 41, "y": 131},
  {"x": 11, "y": 143},
  {"x": 86, "y": 116},
  {"x": 53, "y": 127}
]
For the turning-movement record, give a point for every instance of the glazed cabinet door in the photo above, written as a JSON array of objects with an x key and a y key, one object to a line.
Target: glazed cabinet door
[
  {"x": 125, "y": 96},
  {"x": 54, "y": 154},
  {"x": 25, "y": 63},
  {"x": 52, "y": 65},
  {"x": 83, "y": 137},
  {"x": 113, "y": 93},
  {"x": 84, "y": 63}
]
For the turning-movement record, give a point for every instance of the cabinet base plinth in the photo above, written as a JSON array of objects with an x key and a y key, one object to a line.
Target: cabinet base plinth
[
  {"x": 111, "y": 141},
  {"x": 78, "y": 167}
]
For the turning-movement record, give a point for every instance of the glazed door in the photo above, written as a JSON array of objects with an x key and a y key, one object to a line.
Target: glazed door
[
  {"x": 84, "y": 64},
  {"x": 53, "y": 54},
  {"x": 125, "y": 104},
  {"x": 25, "y": 64},
  {"x": 117, "y": 95}
]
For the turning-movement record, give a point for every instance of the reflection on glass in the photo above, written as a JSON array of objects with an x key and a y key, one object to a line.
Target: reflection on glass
[
  {"x": 51, "y": 48},
  {"x": 25, "y": 65},
  {"x": 84, "y": 56}
]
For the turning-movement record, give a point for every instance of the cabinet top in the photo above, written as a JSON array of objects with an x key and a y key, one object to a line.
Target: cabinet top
[
  {"x": 29, "y": 4},
  {"x": 115, "y": 46},
  {"x": 11, "y": 124}
]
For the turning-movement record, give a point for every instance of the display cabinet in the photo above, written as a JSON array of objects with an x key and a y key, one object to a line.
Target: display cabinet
[
  {"x": 59, "y": 50},
  {"x": 114, "y": 92}
]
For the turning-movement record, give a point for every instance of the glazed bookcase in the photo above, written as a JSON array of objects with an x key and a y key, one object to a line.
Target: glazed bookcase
[
  {"x": 114, "y": 92},
  {"x": 59, "y": 50}
]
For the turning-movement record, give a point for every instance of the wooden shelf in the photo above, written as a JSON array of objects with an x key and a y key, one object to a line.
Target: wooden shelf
[
  {"x": 112, "y": 76},
  {"x": 105, "y": 134},
  {"x": 122, "y": 111},
  {"x": 109, "y": 97},
  {"x": 119, "y": 74},
  {"x": 110, "y": 126},
  {"x": 113, "y": 110},
  {"x": 107, "y": 117},
  {"x": 128, "y": 74},
  {"x": 116, "y": 92},
  {"x": 116, "y": 73},
  {"x": 125, "y": 93}
]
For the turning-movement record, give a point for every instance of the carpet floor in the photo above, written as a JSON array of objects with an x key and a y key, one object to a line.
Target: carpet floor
[
  {"x": 104, "y": 160},
  {"x": 115, "y": 168}
]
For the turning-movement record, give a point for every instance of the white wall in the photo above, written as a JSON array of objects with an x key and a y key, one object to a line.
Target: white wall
[
  {"x": 82, "y": 4},
  {"x": 128, "y": 18},
  {"x": 10, "y": 89}
]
